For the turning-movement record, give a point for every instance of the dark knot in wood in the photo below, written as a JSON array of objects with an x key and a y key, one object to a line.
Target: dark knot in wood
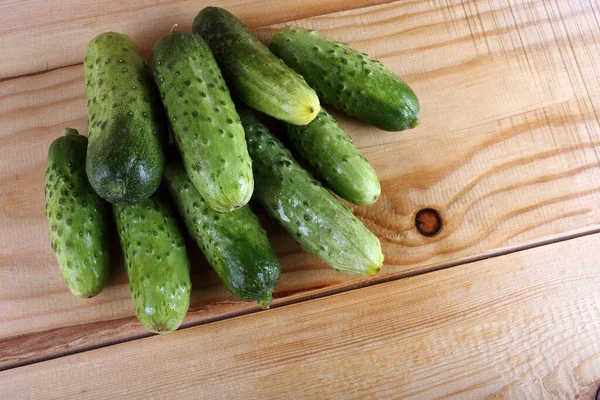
[{"x": 428, "y": 222}]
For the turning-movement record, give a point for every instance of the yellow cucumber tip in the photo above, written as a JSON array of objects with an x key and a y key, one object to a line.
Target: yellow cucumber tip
[{"x": 306, "y": 113}]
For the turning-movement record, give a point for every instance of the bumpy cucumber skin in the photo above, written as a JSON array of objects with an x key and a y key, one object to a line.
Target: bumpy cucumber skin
[
  {"x": 310, "y": 213},
  {"x": 156, "y": 262},
  {"x": 334, "y": 159},
  {"x": 125, "y": 159},
  {"x": 205, "y": 123},
  {"x": 235, "y": 244},
  {"x": 350, "y": 81},
  {"x": 77, "y": 218},
  {"x": 254, "y": 74}
]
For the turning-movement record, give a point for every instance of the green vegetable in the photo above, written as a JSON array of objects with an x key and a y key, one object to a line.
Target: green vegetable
[
  {"x": 77, "y": 217},
  {"x": 156, "y": 261},
  {"x": 254, "y": 74},
  {"x": 205, "y": 124},
  {"x": 125, "y": 159},
  {"x": 350, "y": 81},
  {"x": 312, "y": 215},
  {"x": 234, "y": 243},
  {"x": 334, "y": 159}
]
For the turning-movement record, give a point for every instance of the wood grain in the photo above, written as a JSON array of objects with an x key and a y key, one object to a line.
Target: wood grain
[
  {"x": 508, "y": 153},
  {"x": 37, "y": 35},
  {"x": 519, "y": 326}
]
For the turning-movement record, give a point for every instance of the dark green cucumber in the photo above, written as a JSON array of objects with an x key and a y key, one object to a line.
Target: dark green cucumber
[
  {"x": 334, "y": 159},
  {"x": 310, "y": 213},
  {"x": 77, "y": 217},
  {"x": 205, "y": 124},
  {"x": 156, "y": 261},
  {"x": 125, "y": 160},
  {"x": 350, "y": 81},
  {"x": 253, "y": 73},
  {"x": 234, "y": 243}
]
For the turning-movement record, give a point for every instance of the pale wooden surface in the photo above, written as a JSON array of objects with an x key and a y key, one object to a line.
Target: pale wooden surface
[
  {"x": 508, "y": 152},
  {"x": 520, "y": 326},
  {"x": 40, "y": 35}
]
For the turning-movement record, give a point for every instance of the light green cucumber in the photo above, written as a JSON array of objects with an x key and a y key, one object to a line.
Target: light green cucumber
[
  {"x": 205, "y": 124},
  {"x": 310, "y": 213},
  {"x": 253, "y": 73},
  {"x": 156, "y": 261},
  {"x": 347, "y": 79},
  {"x": 77, "y": 217},
  {"x": 234, "y": 243},
  {"x": 334, "y": 159},
  {"x": 125, "y": 159}
]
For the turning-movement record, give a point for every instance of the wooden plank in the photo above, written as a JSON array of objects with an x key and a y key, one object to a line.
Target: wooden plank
[
  {"x": 40, "y": 35},
  {"x": 518, "y": 326},
  {"x": 508, "y": 153}
]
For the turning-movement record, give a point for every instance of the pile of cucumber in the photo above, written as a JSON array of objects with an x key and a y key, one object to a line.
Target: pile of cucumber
[{"x": 203, "y": 84}]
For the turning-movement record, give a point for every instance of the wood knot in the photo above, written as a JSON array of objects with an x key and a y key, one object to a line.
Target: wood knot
[{"x": 428, "y": 222}]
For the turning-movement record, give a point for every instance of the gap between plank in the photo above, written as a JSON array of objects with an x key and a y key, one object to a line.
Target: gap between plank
[
  {"x": 30, "y": 74},
  {"x": 358, "y": 285},
  {"x": 8, "y": 78}
]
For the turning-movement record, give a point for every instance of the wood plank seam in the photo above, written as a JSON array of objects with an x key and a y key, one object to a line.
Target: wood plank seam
[
  {"x": 518, "y": 326},
  {"x": 36, "y": 73},
  {"x": 29, "y": 74},
  {"x": 359, "y": 285},
  {"x": 356, "y": 6}
]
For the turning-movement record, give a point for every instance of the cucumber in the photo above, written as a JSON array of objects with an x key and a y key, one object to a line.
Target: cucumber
[
  {"x": 234, "y": 243},
  {"x": 125, "y": 160},
  {"x": 254, "y": 74},
  {"x": 156, "y": 261},
  {"x": 334, "y": 159},
  {"x": 77, "y": 217},
  {"x": 310, "y": 213},
  {"x": 205, "y": 125},
  {"x": 350, "y": 81}
]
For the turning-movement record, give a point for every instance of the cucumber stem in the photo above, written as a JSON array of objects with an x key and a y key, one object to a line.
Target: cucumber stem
[
  {"x": 71, "y": 132},
  {"x": 264, "y": 301},
  {"x": 415, "y": 123}
]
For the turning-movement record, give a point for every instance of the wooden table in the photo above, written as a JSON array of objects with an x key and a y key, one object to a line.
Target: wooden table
[{"x": 503, "y": 303}]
